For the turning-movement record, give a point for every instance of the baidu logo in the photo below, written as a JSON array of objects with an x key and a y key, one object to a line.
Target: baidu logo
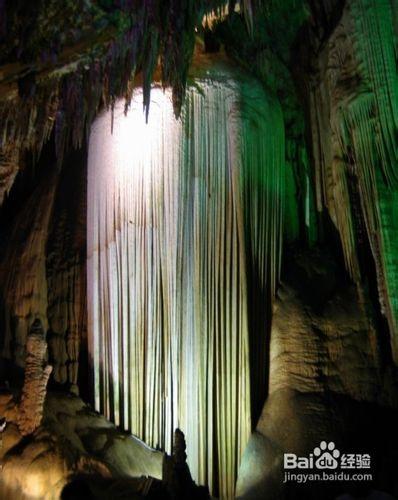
[
  {"x": 327, "y": 454},
  {"x": 326, "y": 463}
]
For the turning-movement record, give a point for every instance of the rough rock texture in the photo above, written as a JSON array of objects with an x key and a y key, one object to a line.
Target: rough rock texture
[
  {"x": 328, "y": 381},
  {"x": 66, "y": 274},
  {"x": 54, "y": 76},
  {"x": 42, "y": 269},
  {"x": 23, "y": 272},
  {"x": 72, "y": 440},
  {"x": 349, "y": 80},
  {"x": 37, "y": 372},
  {"x": 59, "y": 63},
  {"x": 323, "y": 339},
  {"x": 9, "y": 165}
]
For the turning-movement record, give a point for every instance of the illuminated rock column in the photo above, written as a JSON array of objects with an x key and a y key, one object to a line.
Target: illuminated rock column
[{"x": 167, "y": 253}]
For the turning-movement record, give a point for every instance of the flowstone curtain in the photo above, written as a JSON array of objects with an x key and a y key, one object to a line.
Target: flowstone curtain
[
  {"x": 167, "y": 258},
  {"x": 366, "y": 123}
]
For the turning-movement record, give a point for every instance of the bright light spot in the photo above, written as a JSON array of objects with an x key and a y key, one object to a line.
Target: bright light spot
[{"x": 135, "y": 141}]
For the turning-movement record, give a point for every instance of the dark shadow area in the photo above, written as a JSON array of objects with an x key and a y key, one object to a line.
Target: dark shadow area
[{"x": 96, "y": 487}]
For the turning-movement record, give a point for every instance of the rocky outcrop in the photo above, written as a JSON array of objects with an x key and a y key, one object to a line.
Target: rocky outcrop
[
  {"x": 77, "y": 453},
  {"x": 328, "y": 381},
  {"x": 323, "y": 336},
  {"x": 72, "y": 441}
]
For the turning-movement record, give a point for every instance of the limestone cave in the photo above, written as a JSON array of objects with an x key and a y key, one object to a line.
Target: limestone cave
[{"x": 198, "y": 249}]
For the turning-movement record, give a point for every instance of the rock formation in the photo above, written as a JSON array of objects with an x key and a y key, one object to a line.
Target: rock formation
[
  {"x": 43, "y": 271},
  {"x": 319, "y": 348},
  {"x": 328, "y": 381},
  {"x": 72, "y": 442},
  {"x": 177, "y": 476},
  {"x": 37, "y": 373}
]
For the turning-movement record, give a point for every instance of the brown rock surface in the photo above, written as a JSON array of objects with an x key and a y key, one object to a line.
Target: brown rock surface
[
  {"x": 72, "y": 440},
  {"x": 42, "y": 267},
  {"x": 37, "y": 373},
  {"x": 328, "y": 381}
]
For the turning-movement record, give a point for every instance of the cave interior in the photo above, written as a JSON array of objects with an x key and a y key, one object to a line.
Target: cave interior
[{"x": 198, "y": 256}]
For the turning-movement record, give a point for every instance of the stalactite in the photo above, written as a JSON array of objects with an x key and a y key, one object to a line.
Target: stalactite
[
  {"x": 61, "y": 79},
  {"x": 335, "y": 66},
  {"x": 354, "y": 115},
  {"x": 168, "y": 247},
  {"x": 70, "y": 72},
  {"x": 368, "y": 133},
  {"x": 374, "y": 138},
  {"x": 9, "y": 166}
]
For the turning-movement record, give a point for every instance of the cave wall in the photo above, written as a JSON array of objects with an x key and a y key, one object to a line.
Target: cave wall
[
  {"x": 350, "y": 91},
  {"x": 333, "y": 367},
  {"x": 43, "y": 267},
  {"x": 328, "y": 381},
  {"x": 334, "y": 72},
  {"x": 66, "y": 275},
  {"x": 24, "y": 284}
]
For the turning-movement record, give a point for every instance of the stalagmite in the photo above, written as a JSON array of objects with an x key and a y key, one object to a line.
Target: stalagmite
[
  {"x": 176, "y": 211},
  {"x": 37, "y": 373}
]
